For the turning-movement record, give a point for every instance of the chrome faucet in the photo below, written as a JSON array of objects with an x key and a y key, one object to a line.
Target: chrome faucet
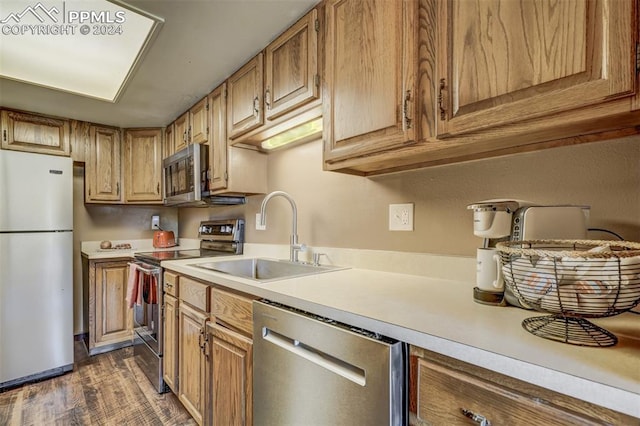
[{"x": 295, "y": 247}]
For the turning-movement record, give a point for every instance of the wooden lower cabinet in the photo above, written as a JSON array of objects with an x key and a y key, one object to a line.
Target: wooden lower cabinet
[
  {"x": 191, "y": 359},
  {"x": 110, "y": 320},
  {"x": 229, "y": 377},
  {"x": 170, "y": 349},
  {"x": 444, "y": 391}
]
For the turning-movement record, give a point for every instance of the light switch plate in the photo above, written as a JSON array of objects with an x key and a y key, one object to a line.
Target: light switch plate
[
  {"x": 401, "y": 217},
  {"x": 155, "y": 222}
]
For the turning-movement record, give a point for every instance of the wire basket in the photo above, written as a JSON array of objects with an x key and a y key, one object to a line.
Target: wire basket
[{"x": 573, "y": 280}]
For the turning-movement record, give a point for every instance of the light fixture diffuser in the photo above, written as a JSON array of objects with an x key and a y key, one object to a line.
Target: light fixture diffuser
[{"x": 85, "y": 47}]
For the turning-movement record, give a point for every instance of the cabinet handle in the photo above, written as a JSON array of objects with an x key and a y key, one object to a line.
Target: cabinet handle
[
  {"x": 184, "y": 136},
  {"x": 477, "y": 418},
  {"x": 405, "y": 111},
  {"x": 118, "y": 188},
  {"x": 256, "y": 107},
  {"x": 4, "y": 134},
  {"x": 441, "y": 100},
  {"x": 189, "y": 135},
  {"x": 158, "y": 188},
  {"x": 168, "y": 285},
  {"x": 205, "y": 349},
  {"x": 267, "y": 99},
  {"x": 200, "y": 343}
]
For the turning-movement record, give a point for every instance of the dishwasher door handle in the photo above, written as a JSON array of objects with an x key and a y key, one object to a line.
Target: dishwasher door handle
[{"x": 316, "y": 356}]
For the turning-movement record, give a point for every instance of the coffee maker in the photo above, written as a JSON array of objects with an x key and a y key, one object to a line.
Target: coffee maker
[
  {"x": 492, "y": 221},
  {"x": 517, "y": 220}
]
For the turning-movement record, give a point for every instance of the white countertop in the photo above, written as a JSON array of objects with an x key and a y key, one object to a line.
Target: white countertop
[
  {"x": 92, "y": 250},
  {"x": 440, "y": 315}
]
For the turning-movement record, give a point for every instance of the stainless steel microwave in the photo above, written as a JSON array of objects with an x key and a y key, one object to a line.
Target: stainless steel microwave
[{"x": 186, "y": 176}]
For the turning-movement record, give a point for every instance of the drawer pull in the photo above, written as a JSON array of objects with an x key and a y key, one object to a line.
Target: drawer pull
[{"x": 479, "y": 419}]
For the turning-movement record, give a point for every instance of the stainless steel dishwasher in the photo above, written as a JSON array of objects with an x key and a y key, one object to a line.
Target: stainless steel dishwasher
[{"x": 313, "y": 371}]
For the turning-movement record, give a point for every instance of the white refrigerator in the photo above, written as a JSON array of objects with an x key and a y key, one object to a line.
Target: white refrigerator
[{"x": 36, "y": 266}]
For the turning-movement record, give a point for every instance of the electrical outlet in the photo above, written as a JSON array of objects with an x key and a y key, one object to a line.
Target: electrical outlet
[
  {"x": 401, "y": 217},
  {"x": 258, "y": 226},
  {"x": 155, "y": 222}
]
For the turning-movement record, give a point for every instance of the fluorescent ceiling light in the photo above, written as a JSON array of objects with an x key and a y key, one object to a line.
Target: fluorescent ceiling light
[{"x": 86, "y": 47}]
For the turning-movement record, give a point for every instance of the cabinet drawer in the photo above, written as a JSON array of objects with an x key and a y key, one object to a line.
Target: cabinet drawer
[
  {"x": 171, "y": 283},
  {"x": 444, "y": 393},
  {"x": 195, "y": 293},
  {"x": 233, "y": 309}
]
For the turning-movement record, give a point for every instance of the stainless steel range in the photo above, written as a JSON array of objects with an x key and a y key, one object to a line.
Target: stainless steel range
[{"x": 217, "y": 238}]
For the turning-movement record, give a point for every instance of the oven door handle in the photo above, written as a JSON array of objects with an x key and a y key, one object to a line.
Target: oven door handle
[{"x": 149, "y": 271}]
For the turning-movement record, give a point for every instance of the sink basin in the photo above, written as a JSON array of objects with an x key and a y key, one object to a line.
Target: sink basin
[{"x": 263, "y": 270}]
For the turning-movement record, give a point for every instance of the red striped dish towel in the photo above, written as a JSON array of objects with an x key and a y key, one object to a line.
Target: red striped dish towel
[{"x": 134, "y": 292}]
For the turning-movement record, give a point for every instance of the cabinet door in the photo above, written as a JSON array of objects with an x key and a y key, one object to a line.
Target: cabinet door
[
  {"x": 170, "y": 352},
  {"x": 102, "y": 173},
  {"x": 143, "y": 166},
  {"x": 35, "y": 133},
  {"x": 191, "y": 360},
  {"x": 199, "y": 122},
  {"x": 370, "y": 66},
  {"x": 169, "y": 141},
  {"x": 218, "y": 139},
  {"x": 181, "y": 131},
  {"x": 232, "y": 378},
  {"x": 244, "y": 99},
  {"x": 291, "y": 68},
  {"x": 508, "y": 61},
  {"x": 113, "y": 321}
]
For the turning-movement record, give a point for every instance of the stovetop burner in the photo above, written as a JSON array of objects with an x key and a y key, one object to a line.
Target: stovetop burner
[{"x": 155, "y": 257}]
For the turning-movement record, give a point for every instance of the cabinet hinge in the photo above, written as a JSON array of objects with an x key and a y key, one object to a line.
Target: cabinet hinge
[
  {"x": 207, "y": 106},
  {"x": 226, "y": 176},
  {"x": 4, "y": 135},
  {"x": 225, "y": 93},
  {"x": 317, "y": 25},
  {"x": 207, "y": 126},
  {"x": 316, "y": 80}
]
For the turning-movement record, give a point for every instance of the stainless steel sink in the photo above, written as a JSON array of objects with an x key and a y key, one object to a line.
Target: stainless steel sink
[{"x": 263, "y": 270}]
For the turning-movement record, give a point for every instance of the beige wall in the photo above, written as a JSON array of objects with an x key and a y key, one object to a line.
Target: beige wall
[
  {"x": 339, "y": 210},
  {"x": 108, "y": 222}
]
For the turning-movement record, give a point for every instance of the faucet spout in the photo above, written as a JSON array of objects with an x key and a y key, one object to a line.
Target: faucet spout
[{"x": 295, "y": 247}]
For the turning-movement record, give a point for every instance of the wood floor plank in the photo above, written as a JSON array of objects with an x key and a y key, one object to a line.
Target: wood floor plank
[{"x": 106, "y": 389}]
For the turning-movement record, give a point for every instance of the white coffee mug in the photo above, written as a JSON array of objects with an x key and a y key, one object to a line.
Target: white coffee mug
[{"x": 488, "y": 270}]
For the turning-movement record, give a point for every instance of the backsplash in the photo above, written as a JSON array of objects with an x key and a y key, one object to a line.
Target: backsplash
[{"x": 337, "y": 210}]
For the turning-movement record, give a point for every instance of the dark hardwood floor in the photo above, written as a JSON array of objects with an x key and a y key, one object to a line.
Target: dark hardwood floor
[{"x": 106, "y": 389}]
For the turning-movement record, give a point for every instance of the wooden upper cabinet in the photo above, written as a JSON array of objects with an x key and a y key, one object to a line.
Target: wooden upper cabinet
[
  {"x": 143, "y": 166},
  {"x": 291, "y": 68},
  {"x": 244, "y": 98},
  {"x": 181, "y": 132},
  {"x": 103, "y": 172},
  {"x": 35, "y": 133},
  {"x": 218, "y": 139},
  {"x": 169, "y": 141},
  {"x": 370, "y": 66},
  {"x": 508, "y": 61},
  {"x": 199, "y": 122}
]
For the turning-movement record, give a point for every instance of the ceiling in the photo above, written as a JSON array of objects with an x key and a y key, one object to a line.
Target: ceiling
[{"x": 199, "y": 45}]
